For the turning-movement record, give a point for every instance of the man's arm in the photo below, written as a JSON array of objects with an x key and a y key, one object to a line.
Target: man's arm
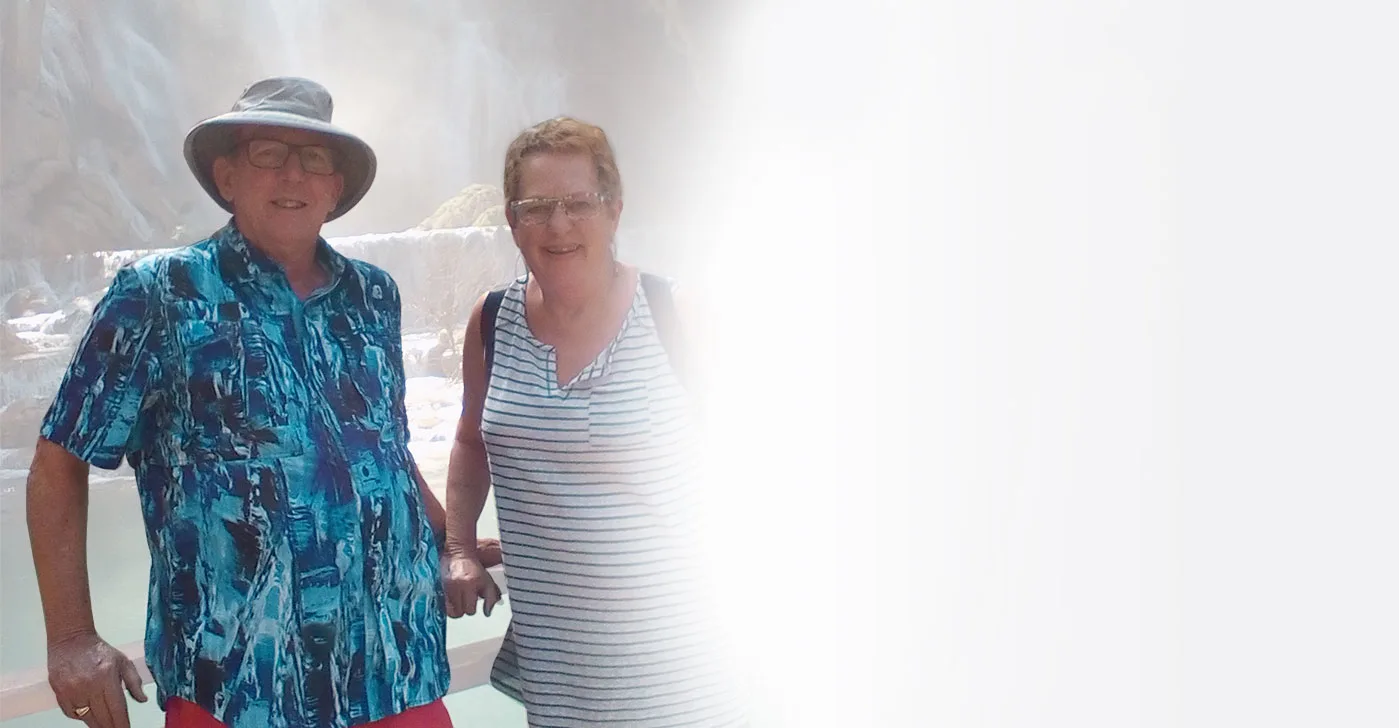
[
  {"x": 56, "y": 510},
  {"x": 86, "y": 673},
  {"x": 91, "y": 420},
  {"x": 436, "y": 516},
  {"x": 468, "y": 482}
]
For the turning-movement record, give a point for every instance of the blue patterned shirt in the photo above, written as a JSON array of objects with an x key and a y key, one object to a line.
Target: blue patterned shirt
[{"x": 294, "y": 574}]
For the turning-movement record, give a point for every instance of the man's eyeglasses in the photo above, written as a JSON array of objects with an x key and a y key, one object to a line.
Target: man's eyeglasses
[
  {"x": 538, "y": 210},
  {"x": 272, "y": 154}
]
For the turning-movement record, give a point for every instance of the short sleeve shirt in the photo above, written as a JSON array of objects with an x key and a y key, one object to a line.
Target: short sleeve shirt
[{"x": 294, "y": 574}]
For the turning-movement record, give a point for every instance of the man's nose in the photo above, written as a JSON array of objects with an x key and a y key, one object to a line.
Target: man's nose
[{"x": 291, "y": 168}]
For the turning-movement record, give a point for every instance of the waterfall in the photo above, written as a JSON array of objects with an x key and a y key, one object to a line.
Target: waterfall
[
  {"x": 440, "y": 273},
  {"x": 97, "y": 105}
]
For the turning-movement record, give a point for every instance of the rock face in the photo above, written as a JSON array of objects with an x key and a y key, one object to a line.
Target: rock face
[
  {"x": 92, "y": 130},
  {"x": 99, "y": 96}
]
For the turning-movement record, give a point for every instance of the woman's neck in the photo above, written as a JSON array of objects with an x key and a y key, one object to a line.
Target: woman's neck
[{"x": 573, "y": 300}]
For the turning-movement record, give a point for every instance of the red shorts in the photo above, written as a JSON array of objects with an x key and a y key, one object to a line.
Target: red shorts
[{"x": 184, "y": 714}]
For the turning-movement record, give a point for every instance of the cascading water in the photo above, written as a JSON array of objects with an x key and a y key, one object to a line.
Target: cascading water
[
  {"x": 440, "y": 274},
  {"x": 99, "y": 97},
  {"x": 97, "y": 106}
]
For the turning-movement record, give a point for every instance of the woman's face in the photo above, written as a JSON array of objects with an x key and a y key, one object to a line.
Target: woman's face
[{"x": 560, "y": 219}]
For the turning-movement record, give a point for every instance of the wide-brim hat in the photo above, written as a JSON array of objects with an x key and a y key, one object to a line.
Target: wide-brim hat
[{"x": 288, "y": 102}]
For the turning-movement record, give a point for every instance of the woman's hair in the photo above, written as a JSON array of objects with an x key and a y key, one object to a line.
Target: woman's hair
[{"x": 563, "y": 134}]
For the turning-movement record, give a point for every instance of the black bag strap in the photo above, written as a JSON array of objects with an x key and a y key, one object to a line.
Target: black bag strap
[
  {"x": 658, "y": 296},
  {"x": 662, "y": 302},
  {"x": 489, "y": 309}
]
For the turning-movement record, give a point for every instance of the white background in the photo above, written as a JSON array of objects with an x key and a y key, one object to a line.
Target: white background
[{"x": 1056, "y": 373}]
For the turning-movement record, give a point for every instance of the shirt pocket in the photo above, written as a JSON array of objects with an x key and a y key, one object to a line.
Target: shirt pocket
[
  {"x": 619, "y": 416},
  {"x": 235, "y": 400},
  {"x": 365, "y": 388}
]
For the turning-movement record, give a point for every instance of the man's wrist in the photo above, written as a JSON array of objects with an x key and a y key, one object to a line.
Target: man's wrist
[
  {"x": 457, "y": 549},
  {"x": 57, "y": 638}
]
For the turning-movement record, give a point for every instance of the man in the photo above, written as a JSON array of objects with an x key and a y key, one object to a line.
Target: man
[{"x": 255, "y": 382}]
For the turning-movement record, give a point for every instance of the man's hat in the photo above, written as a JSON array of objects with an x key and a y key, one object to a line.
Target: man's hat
[{"x": 292, "y": 103}]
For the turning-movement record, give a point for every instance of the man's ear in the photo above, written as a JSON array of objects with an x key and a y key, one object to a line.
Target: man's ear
[
  {"x": 223, "y": 177},
  {"x": 336, "y": 193}
]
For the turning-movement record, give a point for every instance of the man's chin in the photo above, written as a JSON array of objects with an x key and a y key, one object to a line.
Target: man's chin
[{"x": 284, "y": 232}]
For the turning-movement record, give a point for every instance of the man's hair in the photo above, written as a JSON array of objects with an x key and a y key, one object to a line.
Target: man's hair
[{"x": 566, "y": 135}]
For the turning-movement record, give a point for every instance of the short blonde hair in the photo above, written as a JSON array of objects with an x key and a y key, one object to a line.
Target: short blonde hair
[{"x": 563, "y": 134}]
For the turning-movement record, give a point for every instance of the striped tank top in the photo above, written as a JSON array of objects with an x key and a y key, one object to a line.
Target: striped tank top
[{"x": 595, "y": 494}]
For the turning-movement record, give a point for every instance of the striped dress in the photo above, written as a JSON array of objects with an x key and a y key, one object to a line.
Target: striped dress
[{"x": 594, "y": 490}]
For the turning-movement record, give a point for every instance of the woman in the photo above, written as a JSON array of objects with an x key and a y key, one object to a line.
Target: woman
[{"x": 583, "y": 427}]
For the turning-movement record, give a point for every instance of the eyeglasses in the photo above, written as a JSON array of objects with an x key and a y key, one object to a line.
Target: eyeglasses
[
  {"x": 272, "y": 154},
  {"x": 538, "y": 210}
]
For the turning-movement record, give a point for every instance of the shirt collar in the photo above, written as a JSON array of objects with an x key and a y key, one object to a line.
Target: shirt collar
[{"x": 241, "y": 261}]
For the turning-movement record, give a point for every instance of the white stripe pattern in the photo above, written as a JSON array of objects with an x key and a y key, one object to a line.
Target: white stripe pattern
[{"x": 594, "y": 492}]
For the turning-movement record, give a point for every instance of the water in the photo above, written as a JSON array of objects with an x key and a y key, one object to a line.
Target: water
[
  {"x": 440, "y": 274},
  {"x": 99, "y": 97}
]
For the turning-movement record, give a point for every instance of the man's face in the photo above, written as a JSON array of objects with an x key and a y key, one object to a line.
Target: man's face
[
  {"x": 282, "y": 183},
  {"x": 560, "y": 223}
]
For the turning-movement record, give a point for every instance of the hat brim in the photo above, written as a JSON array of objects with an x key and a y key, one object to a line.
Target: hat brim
[{"x": 213, "y": 138}]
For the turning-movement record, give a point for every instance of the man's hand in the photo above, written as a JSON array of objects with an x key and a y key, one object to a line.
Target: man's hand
[
  {"x": 87, "y": 676},
  {"x": 465, "y": 581}
]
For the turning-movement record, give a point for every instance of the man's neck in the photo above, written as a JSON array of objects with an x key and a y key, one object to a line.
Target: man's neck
[{"x": 298, "y": 261}]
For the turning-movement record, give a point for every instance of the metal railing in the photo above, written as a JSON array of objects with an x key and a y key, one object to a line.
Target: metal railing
[{"x": 27, "y": 692}]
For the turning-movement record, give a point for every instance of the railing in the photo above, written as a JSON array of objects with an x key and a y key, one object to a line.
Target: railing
[{"x": 28, "y": 692}]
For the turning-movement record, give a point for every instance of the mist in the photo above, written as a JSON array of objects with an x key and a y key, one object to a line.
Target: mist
[{"x": 1052, "y": 344}]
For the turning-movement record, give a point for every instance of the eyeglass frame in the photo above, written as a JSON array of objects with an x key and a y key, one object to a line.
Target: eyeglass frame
[
  {"x": 244, "y": 145},
  {"x": 557, "y": 203}
]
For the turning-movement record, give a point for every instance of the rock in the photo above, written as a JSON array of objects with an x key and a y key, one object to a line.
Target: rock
[
  {"x": 463, "y": 210},
  {"x": 74, "y": 319},
  {"x": 426, "y": 421},
  {"x": 11, "y": 345},
  {"x": 20, "y": 421},
  {"x": 442, "y": 359},
  {"x": 90, "y": 157},
  {"x": 491, "y": 216},
  {"x": 30, "y": 300}
]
